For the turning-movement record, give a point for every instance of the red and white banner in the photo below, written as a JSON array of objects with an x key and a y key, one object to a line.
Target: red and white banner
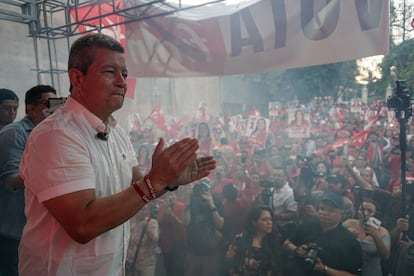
[{"x": 259, "y": 36}]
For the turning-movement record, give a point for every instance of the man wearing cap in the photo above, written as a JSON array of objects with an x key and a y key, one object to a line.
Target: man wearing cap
[
  {"x": 335, "y": 183},
  {"x": 337, "y": 251},
  {"x": 9, "y": 102}
]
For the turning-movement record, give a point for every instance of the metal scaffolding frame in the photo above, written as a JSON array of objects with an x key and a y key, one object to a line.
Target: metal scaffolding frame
[{"x": 51, "y": 20}]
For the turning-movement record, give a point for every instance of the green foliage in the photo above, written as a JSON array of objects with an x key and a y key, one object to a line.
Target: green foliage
[
  {"x": 398, "y": 64},
  {"x": 308, "y": 82}
]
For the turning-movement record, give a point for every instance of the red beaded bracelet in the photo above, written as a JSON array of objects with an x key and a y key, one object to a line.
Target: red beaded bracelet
[
  {"x": 140, "y": 192},
  {"x": 151, "y": 189}
]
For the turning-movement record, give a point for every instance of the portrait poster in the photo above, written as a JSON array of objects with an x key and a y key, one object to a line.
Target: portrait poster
[
  {"x": 299, "y": 123},
  {"x": 257, "y": 130},
  {"x": 356, "y": 105},
  {"x": 274, "y": 108}
]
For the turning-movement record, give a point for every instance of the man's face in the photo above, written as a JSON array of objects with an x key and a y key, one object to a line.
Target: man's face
[
  {"x": 278, "y": 178},
  {"x": 367, "y": 175},
  {"x": 35, "y": 110},
  {"x": 102, "y": 90},
  {"x": 8, "y": 111},
  {"x": 360, "y": 162},
  {"x": 329, "y": 215},
  {"x": 333, "y": 187}
]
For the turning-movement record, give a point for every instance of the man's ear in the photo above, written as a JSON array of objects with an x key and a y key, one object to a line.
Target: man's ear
[
  {"x": 75, "y": 77},
  {"x": 29, "y": 109}
]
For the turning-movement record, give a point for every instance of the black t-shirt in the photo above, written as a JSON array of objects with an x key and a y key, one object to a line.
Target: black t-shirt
[{"x": 339, "y": 248}]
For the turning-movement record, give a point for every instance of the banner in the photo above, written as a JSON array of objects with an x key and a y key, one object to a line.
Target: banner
[{"x": 258, "y": 36}]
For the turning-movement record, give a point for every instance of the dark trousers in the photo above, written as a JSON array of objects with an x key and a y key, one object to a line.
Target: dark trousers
[
  {"x": 174, "y": 262},
  {"x": 9, "y": 256}
]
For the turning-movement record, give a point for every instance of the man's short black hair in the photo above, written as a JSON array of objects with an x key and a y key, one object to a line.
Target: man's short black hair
[
  {"x": 7, "y": 94},
  {"x": 34, "y": 94}
]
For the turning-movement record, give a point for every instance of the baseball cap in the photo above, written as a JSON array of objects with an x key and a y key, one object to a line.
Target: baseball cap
[
  {"x": 335, "y": 199},
  {"x": 336, "y": 178}
]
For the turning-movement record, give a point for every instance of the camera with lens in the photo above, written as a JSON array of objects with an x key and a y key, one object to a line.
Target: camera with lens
[
  {"x": 401, "y": 100},
  {"x": 307, "y": 172},
  {"x": 267, "y": 193},
  {"x": 312, "y": 255}
]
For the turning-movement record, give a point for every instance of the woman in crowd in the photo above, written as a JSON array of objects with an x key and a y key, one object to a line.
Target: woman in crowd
[
  {"x": 259, "y": 134},
  {"x": 256, "y": 251},
  {"x": 144, "y": 158},
  {"x": 375, "y": 240},
  {"x": 204, "y": 139},
  {"x": 321, "y": 170}
]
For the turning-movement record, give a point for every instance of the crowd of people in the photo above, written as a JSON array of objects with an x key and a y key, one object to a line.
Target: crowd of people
[
  {"x": 336, "y": 192},
  {"x": 80, "y": 197}
]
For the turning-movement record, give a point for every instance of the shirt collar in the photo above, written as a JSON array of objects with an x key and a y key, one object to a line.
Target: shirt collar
[{"x": 93, "y": 120}]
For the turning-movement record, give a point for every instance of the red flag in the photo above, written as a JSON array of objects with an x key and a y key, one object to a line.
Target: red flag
[
  {"x": 372, "y": 121},
  {"x": 178, "y": 125},
  {"x": 337, "y": 144},
  {"x": 359, "y": 139},
  {"x": 157, "y": 116}
]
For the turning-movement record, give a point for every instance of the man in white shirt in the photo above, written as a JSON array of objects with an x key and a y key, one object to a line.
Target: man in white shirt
[{"x": 82, "y": 179}]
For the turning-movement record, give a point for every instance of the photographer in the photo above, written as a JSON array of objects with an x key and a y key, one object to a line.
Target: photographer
[
  {"x": 278, "y": 195},
  {"x": 204, "y": 219},
  {"x": 324, "y": 246},
  {"x": 335, "y": 183}
]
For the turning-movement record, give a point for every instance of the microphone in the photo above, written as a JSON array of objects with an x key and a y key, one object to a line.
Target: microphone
[{"x": 102, "y": 136}]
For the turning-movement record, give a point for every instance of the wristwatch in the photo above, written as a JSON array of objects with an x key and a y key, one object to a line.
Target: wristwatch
[{"x": 213, "y": 210}]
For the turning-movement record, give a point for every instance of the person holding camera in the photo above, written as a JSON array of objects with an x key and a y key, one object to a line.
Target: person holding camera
[
  {"x": 278, "y": 195},
  {"x": 256, "y": 250},
  {"x": 324, "y": 246},
  {"x": 375, "y": 240},
  {"x": 335, "y": 183},
  {"x": 204, "y": 219}
]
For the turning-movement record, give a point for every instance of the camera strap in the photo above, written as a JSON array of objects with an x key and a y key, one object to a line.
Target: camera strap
[{"x": 141, "y": 237}]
